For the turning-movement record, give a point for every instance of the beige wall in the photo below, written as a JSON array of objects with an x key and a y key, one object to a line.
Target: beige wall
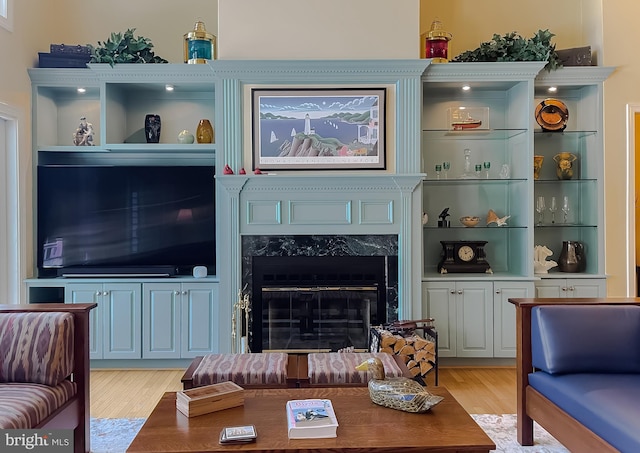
[
  {"x": 575, "y": 22},
  {"x": 472, "y": 22},
  {"x": 621, "y": 34},
  {"x": 313, "y": 30}
]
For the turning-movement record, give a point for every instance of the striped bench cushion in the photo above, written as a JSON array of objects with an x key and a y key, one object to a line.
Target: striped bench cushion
[
  {"x": 269, "y": 368},
  {"x": 36, "y": 347},
  {"x": 24, "y": 406},
  {"x": 337, "y": 368}
]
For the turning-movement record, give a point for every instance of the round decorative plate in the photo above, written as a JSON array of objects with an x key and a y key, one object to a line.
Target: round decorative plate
[{"x": 552, "y": 114}]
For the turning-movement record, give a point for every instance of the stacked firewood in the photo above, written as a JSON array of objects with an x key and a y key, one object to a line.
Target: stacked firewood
[{"x": 419, "y": 353}]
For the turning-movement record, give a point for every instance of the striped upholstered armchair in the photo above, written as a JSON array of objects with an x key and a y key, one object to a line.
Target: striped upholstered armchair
[{"x": 44, "y": 368}]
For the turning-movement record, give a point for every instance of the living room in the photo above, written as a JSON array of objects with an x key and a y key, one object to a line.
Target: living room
[{"x": 575, "y": 23}]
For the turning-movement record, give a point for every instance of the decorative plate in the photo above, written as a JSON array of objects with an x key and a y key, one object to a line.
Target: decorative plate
[{"x": 552, "y": 114}]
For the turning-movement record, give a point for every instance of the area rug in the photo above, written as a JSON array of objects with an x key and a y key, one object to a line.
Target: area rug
[{"x": 114, "y": 435}]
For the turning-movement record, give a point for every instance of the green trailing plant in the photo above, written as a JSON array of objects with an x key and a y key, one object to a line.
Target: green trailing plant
[
  {"x": 513, "y": 47},
  {"x": 124, "y": 48}
]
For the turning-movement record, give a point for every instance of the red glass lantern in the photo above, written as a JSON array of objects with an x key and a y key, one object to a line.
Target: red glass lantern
[{"x": 437, "y": 43}]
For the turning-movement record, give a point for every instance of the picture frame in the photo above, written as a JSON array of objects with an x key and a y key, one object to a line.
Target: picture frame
[{"x": 318, "y": 128}]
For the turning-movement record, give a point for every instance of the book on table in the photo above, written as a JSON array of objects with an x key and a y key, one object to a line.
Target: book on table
[{"x": 311, "y": 418}]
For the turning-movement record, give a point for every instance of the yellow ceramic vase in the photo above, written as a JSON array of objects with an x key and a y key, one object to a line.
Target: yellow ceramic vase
[
  {"x": 537, "y": 166},
  {"x": 204, "y": 132},
  {"x": 564, "y": 162}
]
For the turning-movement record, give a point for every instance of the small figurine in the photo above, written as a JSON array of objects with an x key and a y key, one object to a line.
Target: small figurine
[
  {"x": 540, "y": 263},
  {"x": 257, "y": 171},
  {"x": 84, "y": 133},
  {"x": 227, "y": 170},
  {"x": 425, "y": 218},
  {"x": 242, "y": 171},
  {"x": 443, "y": 222}
]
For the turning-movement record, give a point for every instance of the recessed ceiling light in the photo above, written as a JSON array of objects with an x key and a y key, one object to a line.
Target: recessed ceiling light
[
  {"x": 466, "y": 87},
  {"x": 553, "y": 89},
  {"x": 82, "y": 90},
  {"x": 168, "y": 87}
]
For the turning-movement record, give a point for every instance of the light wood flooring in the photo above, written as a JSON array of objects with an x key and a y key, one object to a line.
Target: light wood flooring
[{"x": 134, "y": 393}]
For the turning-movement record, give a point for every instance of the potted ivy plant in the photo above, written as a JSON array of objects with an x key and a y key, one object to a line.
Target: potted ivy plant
[
  {"x": 124, "y": 48},
  {"x": 513, "y": 47}
]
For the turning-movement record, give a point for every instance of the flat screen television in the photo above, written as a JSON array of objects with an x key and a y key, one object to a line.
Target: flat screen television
[{"x": 125, "y": 220}]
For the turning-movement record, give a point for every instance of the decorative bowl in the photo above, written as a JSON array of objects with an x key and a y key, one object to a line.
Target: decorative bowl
[{"x": 469, "y": 221}]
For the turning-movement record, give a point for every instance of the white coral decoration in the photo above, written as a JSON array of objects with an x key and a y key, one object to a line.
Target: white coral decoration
[{"x": 540, "y": 263}]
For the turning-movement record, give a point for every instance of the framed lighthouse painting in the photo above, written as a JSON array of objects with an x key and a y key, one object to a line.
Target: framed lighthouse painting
[{"x": 318, "y": 129}]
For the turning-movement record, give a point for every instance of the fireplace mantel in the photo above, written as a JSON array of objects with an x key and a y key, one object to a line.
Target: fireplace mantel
[{"x": 374, "y": 202}]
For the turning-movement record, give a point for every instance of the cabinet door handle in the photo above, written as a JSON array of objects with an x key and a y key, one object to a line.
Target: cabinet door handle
[
  {"x": 498, "y": 291},
  {"x": 571, "y": 288},
  {"x": 105, "y": 293},
  {"x": 453, "y": 291},
  {"x": 459, "y": 291},
  {"x": 176, "y": 292},
  {"x": 99, "y": 293},
  {"x": 564, "y": 288},
  {"x": 184, "y": 293}
]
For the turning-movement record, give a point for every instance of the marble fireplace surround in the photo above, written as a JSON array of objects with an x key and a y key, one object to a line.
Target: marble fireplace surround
[
  {"x": 322, "y": 204},
  {"x": 327, "y": 252}
]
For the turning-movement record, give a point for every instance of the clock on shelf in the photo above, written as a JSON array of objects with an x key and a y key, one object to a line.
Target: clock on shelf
[{"x": 463, "y": 256}]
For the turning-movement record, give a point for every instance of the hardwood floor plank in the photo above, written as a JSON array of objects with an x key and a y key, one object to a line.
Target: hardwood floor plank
[{"x": 134, "y": 393}]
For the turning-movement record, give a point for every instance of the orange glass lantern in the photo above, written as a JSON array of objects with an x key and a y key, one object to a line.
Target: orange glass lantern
[{"x": 437, "y": 43}]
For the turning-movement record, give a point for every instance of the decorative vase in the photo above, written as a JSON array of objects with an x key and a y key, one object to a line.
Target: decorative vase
[
  {"x": 537, "y": 166},
  {"x": 204, "y": 132},
  {"x": 564, "y": 162},
  {"x": 185, "y": 137},
  {"x": 152, "y": 128},
  {"x": 572, "y": 257}
]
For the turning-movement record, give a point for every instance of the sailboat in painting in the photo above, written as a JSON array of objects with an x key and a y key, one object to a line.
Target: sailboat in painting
[{"x": 273, "y": 137}]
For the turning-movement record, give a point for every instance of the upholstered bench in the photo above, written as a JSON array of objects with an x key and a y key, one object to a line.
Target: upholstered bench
[
  {"x": 254, "y": 370},
  {"x": 338, "y": 369}
]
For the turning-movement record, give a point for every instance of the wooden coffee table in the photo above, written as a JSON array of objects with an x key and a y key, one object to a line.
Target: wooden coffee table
[{"x": 364, "y": 426}]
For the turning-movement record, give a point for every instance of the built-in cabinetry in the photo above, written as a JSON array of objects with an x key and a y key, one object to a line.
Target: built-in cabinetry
[
  {"x": 474, "y": 318},
  {"x": 178, "y": 319},
  {"x": 150, "y": 319},
  {"x": 473, "y": 169},
  {"x": 471, "y": 309},
  {"x": 116, "y": 323},
  {"x": 164, "y": 318},
  {"x": 579, "y": 200},
  {"x": 571, "y": 287}
]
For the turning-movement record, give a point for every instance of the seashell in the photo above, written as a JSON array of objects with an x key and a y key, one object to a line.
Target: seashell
[{"x": 492, "y": 217}]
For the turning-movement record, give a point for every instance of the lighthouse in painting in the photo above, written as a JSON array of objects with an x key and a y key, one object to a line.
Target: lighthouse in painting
[{"x": 307, "y": 124}]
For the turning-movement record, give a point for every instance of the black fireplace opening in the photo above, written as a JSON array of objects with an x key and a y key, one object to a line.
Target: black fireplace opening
[{"x": 316, "y": 303}]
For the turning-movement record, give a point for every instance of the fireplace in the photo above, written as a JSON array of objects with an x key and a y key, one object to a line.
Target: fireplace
[
  {"x": 318, "y": 293},
  {"x": 304, "y": 303}
]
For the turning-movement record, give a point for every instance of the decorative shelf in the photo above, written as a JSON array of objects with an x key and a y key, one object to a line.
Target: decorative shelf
[{"x": 472, "y": 134}]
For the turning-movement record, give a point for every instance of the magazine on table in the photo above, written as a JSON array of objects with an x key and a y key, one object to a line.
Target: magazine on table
[{"x": 311, "y": 418}]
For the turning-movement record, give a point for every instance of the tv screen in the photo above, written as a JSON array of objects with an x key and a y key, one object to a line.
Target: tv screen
[{"x": 108, "y": 219}]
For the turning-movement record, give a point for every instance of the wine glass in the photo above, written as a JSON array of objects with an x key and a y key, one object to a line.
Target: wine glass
[
  {"x": 478, "y": 169},
  {"x": 438, "y": 170},
  {"x": 565, "y": 208},
  {"x": 552, "y": 209},
  {"x": 487, "y": 166},
  {"x": 446, "y": 166},
  {"x": 540, "y": 209}
]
